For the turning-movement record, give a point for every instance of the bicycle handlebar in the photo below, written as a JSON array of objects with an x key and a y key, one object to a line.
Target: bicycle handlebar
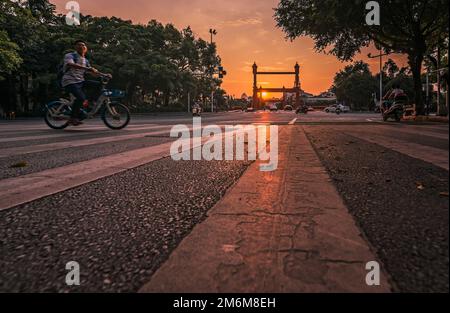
[{"x": 105, "y": 78}]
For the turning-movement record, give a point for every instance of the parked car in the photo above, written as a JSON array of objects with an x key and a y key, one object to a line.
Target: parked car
[
  {"x": 250, "y": 109},
  {"x": 333, "y": 108},
  {"x": 273, "y": 107},
  {"x": 311, "y": 109}
]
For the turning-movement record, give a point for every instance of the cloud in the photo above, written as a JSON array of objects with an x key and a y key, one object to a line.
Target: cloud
[{"x": 242, "y": 22}]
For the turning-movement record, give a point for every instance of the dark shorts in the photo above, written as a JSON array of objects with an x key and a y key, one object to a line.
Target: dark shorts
[{"x": 87, "y": 90}]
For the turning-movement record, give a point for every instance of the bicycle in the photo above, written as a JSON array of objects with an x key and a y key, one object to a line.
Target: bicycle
[{"x": 114, "y": 114}]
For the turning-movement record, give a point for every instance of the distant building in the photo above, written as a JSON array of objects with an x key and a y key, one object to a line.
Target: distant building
[
  {"x": 327, "y": 94},
  {"x": 303, "y": 94}
]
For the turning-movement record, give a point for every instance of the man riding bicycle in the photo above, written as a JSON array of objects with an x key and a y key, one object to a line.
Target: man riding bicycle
[{"x": 75, "y": 67}]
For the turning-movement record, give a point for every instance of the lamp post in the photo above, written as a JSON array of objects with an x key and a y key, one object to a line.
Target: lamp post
[{"x": 213, "y": 32}]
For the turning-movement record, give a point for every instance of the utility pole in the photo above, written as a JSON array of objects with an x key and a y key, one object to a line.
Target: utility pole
[
  {"x": 213, "y": 32},
  {"x": 189, "y": 102},
  {"x": 428, "y": 93},
  {"x": 439, "y": 110},
  {"x": 448, "y": 73},
  {"x": 381, "y": 55}
]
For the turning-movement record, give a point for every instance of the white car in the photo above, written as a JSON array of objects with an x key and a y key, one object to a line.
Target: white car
[
  {"x": 273, "y": 107},
  {"x": 332, "y": 108}
]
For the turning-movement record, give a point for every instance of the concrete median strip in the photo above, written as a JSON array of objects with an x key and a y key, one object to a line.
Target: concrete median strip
[{"x": 281, "y": 231}]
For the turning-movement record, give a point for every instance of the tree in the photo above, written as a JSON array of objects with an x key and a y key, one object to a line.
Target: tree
[
  {"x": 390, "y": 69},
  {"x": 355, "y": 86},
  {"x": 153, "y": 63},
  {"x": 410, "y": 27},
  {"x": 10, "y": 59}
]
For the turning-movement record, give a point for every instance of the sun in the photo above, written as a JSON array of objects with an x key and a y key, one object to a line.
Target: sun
[{"x": 264, "y": 94}]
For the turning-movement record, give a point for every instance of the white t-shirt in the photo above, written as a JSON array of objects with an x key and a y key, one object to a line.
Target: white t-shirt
[
  {"x": 74, "y": 75},
  {"x": 397, "y": 92}
]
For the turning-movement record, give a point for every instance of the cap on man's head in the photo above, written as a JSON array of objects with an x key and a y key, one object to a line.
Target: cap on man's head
[{"x": 79, "y": 41}]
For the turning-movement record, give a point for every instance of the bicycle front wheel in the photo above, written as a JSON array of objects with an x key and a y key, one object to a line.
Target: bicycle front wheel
[
  {"x": 116, "y": 116},
  {"x": 57, "y": 115}
]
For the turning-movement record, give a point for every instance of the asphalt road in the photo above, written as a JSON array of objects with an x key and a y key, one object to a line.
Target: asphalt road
[{"x": 122, "y": 227}]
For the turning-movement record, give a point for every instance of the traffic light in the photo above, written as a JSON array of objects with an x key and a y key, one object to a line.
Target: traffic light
[{"x": 222, "y": 72}]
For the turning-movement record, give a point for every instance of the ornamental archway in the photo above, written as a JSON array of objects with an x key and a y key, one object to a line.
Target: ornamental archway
[{"x": 257, "y": 91}]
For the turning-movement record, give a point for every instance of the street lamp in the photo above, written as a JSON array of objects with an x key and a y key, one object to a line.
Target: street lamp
[
  {"x": 213, "y": 32},
  {"x": 381, "y": 55}
]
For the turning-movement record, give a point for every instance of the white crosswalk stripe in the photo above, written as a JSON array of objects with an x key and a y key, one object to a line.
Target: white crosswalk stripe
[
  {"x": 75, "y": 133},
  {"x": 26, "y": 188}
]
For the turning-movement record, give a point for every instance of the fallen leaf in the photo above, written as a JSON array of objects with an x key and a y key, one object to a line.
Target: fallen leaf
[
  {"x": 420, "y": 186},
  {"x": 19, "y": 165}
]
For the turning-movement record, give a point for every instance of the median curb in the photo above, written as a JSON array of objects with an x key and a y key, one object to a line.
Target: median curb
[
  {"x": 423, "y": 118},
  {"x": 282, "y": 231}
]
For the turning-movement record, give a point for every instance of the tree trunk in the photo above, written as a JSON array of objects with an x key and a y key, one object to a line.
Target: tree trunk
[
  {"x": 415, "y": 62},
  {"x": 166, "y": 98}
]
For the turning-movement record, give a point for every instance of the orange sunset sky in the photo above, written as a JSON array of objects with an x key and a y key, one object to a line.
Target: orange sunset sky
[{"x": 246, "y": 33}]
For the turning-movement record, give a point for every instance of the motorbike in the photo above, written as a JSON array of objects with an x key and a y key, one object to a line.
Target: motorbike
[
  {"x": 196, "y": 111},
  {"x": 302, "y": 110},
  {"x": 394, "y": 109}
]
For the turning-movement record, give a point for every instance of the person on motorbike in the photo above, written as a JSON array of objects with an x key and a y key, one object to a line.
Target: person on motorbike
[
  {"x": 393, "y": 94},
  {"x": 73, "y": 81}
]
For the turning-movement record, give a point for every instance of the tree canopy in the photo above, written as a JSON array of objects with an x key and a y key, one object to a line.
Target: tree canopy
[
  {"x": 412, "y": 27},
  {"x": 356, "y": 86},
  {"x": 156, "y": 64}
]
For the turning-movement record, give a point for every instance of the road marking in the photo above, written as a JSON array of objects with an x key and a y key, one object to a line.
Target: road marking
[
  {"x": 428, "y": 154},
  {"x": 44, "y": 127},
  {"x": 76, "y": 143},
  {"x": 293, "y": 121},
  {"x": 76, "y": 133},
  {"x": 23, "y": 189},
  {"x": 71, "y": 144},
  {"x": 369, "y": 120},
  {"x": 26, "y": 188},
  {"x": 416, "y": 131}
]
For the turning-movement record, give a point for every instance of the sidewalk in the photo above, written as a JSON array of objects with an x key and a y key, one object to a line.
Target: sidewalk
[
  {"x": 430, "y": 118},
  {"x": 282, "y": 231}
]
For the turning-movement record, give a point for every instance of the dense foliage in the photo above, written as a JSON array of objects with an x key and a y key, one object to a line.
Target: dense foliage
[
  {"x": 357, "y": 87},
  {"x": 413, "y": 27},
  {"x": 157, "y": 65}
]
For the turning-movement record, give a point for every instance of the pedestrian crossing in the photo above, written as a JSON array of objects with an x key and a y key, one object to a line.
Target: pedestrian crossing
[
  {"x": 390, "y": 138},
  {"x": 27, "y": 187}
]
